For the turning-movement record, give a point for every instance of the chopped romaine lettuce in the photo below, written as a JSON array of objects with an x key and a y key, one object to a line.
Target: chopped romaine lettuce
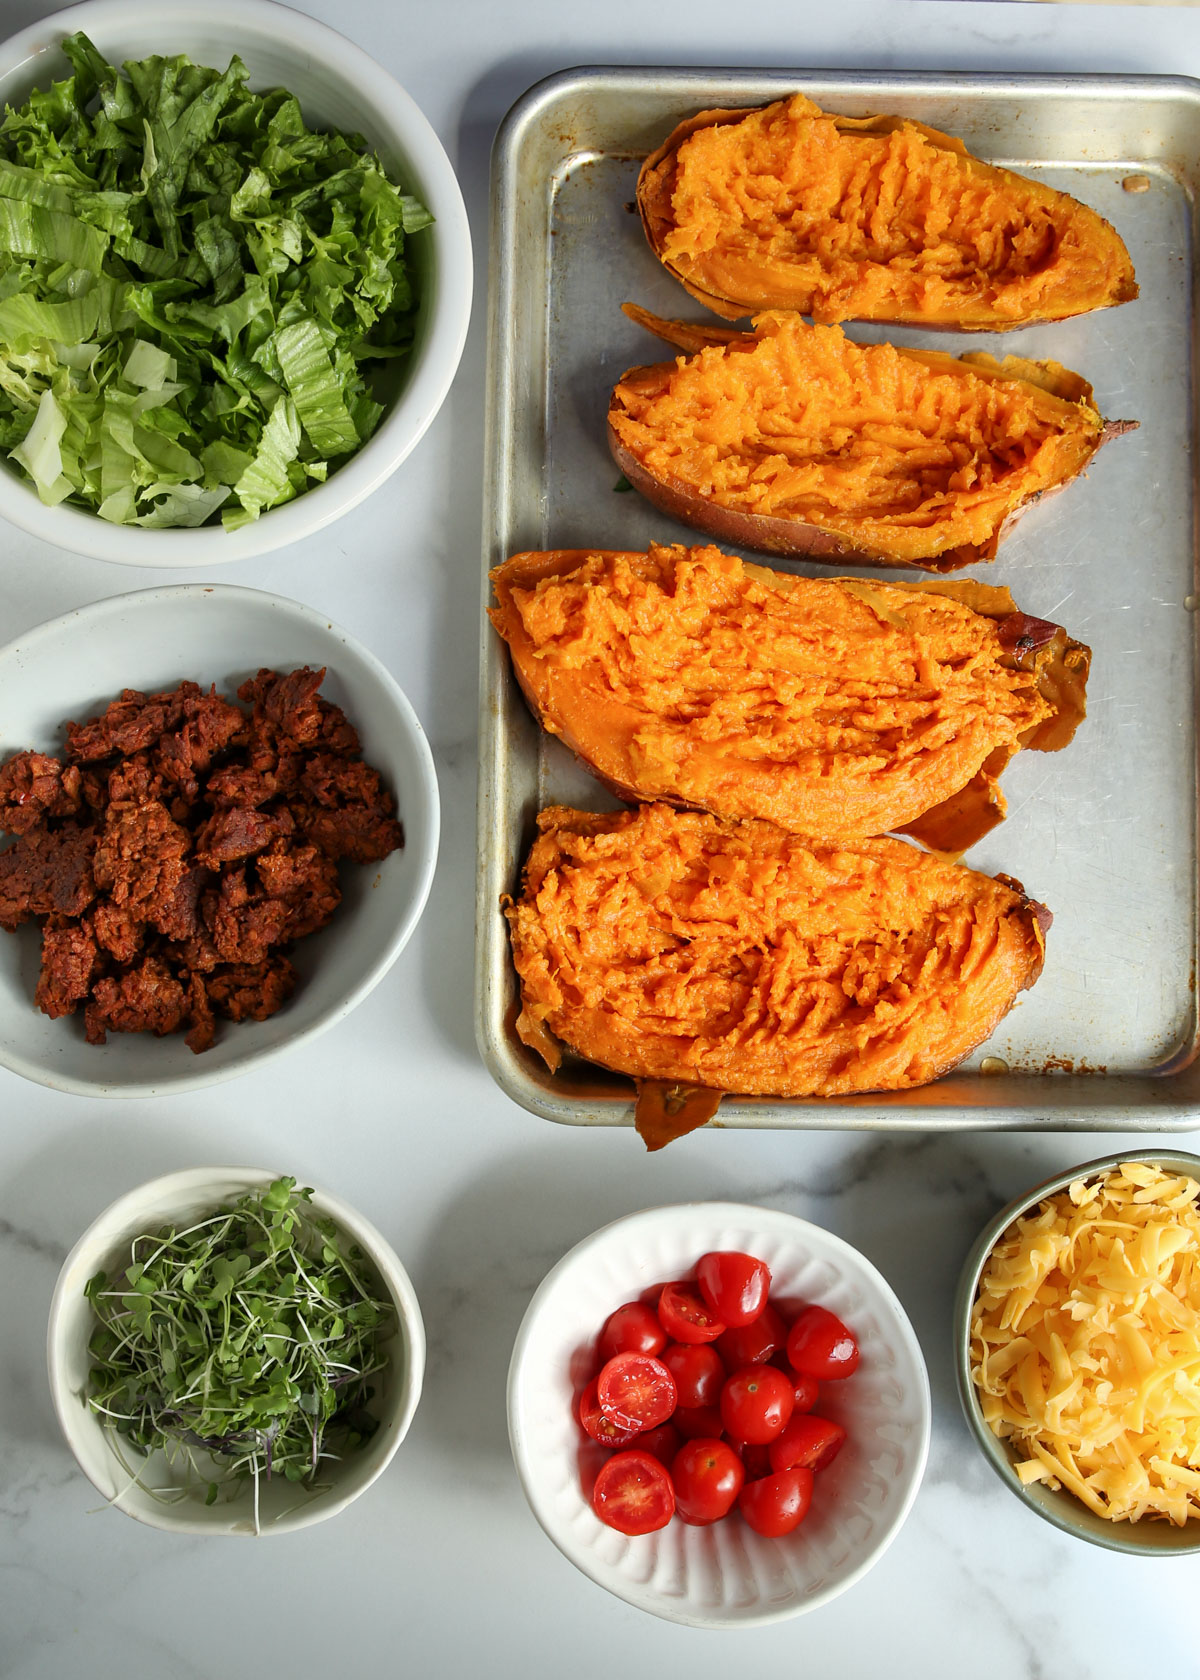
[{"x": 194, "y": 290}]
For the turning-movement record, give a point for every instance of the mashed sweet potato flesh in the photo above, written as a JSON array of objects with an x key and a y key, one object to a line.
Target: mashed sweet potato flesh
[
  {"x": 788, "y": 207},
  {"x": 902, "y": 454},
  {"x": 836, "y": 708},
  {"x": 677, "y": 946}
]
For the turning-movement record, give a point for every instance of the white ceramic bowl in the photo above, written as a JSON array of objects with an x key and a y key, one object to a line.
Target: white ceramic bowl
[
  {"x": 70, "y": 668},
  {"x": 338, "y": 86},
  {"x": 283, "y": 1505},
  {"x": 1060, "y": 1507},
  {"x": 724, "y": 1575}
]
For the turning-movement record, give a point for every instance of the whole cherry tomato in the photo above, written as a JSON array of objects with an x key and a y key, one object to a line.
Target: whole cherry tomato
[
  {"x": 633, "y": 1328},
  {"x": 734, "y": 1285},
  {"x": 661, "y": 1443},
  {"x": 708, "y": 1477},
  {"x": 633, "y": 1493},
  {"x": 756, "y": 1403},
  {"x": 819, "y": 1345},
  {"x": 699, "y": 1372},
  {"x": 686, "y": 1316},
  {"x": 811, "y": 1441},
  {"x": 804, "y": 1388},
  {"x": 755, "y": 1457},
  {"x": 636, "y": 1391},
  {"x": 601, "y": 1428},
  {"x": 695, "y": 1421},
  {"x": 774, "y": 1505},
  {"x": 754, "y": 1343}
]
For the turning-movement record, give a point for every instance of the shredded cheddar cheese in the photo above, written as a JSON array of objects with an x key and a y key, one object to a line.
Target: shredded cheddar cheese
[{"x": 1085, "y": 1343}]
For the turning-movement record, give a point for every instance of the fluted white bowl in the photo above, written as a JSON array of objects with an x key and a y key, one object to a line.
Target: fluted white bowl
[{"x": 724, "y": 1575}]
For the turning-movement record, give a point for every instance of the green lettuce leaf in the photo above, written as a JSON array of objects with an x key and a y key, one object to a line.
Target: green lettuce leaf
[{"x": 196, "y": 291}]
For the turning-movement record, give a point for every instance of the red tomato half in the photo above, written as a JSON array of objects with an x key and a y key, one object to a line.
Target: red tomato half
[
  {"x": 708, "y": 1477},
  {"x": 599, "y": 1427},
  {"x": 811, "y": 1441},
  {"x": 756, "y": 1403},
  {"x": 633, "y": 1328},
  {"x": 753, "y": 1344},
  {"x": 636, "y": 1391},
  {"x": 734, "y": 1285},
  {"x": 699, "y": 1372},
  {"x": 686, "y": 1316},
  {"x": 774, "y": 1505},
  {"x": 633, "y": 1493},
  {"x": 819, "y": 1345}
]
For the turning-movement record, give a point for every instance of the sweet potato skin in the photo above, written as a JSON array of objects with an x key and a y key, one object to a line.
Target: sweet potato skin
[
  {"x": 674, "y": 946},
  {"x": 964, "y": 526},
  {"x": 878, "y": 218},
  {"x": 836, "y": 708}
]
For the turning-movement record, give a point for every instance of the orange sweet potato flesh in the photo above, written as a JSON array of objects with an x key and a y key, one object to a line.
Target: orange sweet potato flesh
[
  {"x": 793, "y": 439},
  {"x": 871, "y": 219},
  {"x": 679, "y": 947},
  {"x": 834, "y": 707}
]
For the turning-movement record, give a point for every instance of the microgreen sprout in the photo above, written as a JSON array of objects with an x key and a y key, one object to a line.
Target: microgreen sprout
[{"x": 242, "y": 1345}]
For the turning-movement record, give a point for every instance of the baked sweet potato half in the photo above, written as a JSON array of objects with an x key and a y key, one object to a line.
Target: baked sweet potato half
[
  {"x": 870, "y": 219},
  {"x": 793, "y": 439},
  {"x": 833, "y": 707},
  {"x": 676, "y": 946}
]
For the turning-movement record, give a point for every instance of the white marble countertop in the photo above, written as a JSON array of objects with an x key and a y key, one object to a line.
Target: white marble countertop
[{"x": 440, "y": 1569}]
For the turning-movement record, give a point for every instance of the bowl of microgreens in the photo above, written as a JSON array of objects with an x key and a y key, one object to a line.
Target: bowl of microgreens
[
  {"x": 235, "y": 278},
  {"x": 233, "y": 1353}
]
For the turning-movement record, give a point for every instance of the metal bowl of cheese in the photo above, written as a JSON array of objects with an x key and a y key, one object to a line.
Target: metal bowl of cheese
[{"x": 1087, "y": 1322}]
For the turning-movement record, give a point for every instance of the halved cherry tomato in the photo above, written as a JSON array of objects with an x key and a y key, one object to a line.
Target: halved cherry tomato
[
  {"x": 811, "y": 1441},
  {"x": 753, "y": 1344},
  {"x": 633, "y": 1328},
  {"x": 686, "y": 1316},
  {"x": 734, "y": 1285},
  {"x": 756, "y": 1403},
  {"x": 634, "y": 1493},
  {"x": 636, "y": 1391},
  {"x": 699, "y": 1372},
  {"x": 774, "y": 1505},
  {"x": 601, "y": 1428},
  {"x": 819, "y": 1345},
  {"x": 661, "y": 1443},
  {"x": 708, "y": 1477},
  {"x": 694, "y": 1421}
]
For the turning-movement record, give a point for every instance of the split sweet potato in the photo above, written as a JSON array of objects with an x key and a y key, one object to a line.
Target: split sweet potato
[
  {"x": 836, "y": 708},
  {"x": 676, "y": 946},
  {"x": 868, "y": 218},
  {"x": 793, "y": 439}
]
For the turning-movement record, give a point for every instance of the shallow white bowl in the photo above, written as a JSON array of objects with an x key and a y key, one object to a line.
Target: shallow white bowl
[
  {"x": 725, "y": 1575},
  {"x": 283, "y": 1505},
  {"x": 70, "y": 668},
  {"x": 338, "y": 86}
]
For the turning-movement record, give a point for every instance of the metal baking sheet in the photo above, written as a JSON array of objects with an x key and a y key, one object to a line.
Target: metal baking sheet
[{"x": 1105, "y": 832}]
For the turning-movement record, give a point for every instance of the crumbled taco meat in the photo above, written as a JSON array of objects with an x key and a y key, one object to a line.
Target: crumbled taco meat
[{"x": 182, "y": 846}]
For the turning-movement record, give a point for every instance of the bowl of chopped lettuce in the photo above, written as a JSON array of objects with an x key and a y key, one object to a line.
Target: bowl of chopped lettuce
[
  {"x": 235, "y": 279},
  {"x": 231, "y": 1352}
]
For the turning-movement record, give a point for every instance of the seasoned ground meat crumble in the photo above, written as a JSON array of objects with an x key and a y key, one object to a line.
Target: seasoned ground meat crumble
[{"x": 181, "y": 849}]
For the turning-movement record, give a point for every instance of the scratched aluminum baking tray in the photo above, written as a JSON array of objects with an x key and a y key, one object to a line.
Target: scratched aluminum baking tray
[{"x": 1105, "y": 832}]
